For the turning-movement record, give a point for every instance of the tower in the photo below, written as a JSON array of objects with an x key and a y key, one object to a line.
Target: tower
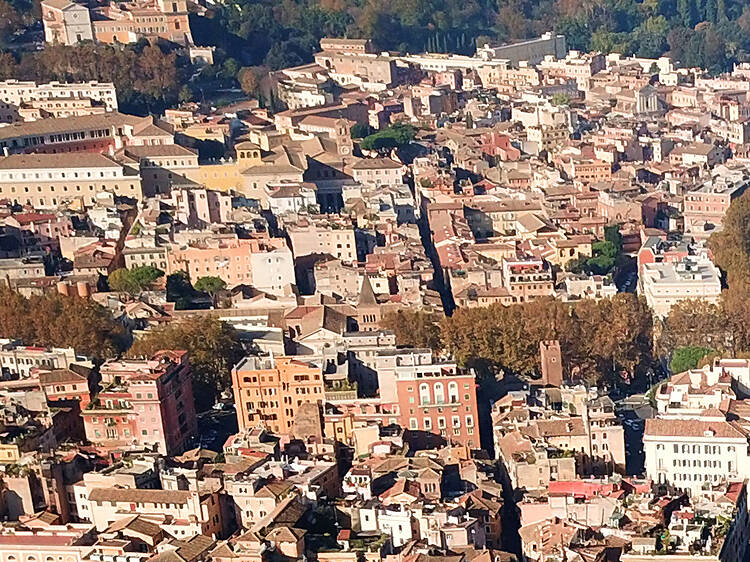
[{"x": 551, "y": 359}]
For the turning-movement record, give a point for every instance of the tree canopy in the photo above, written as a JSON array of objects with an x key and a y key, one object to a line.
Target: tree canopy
[
  {"x": 685, "y": 358},
  {"x": 604, "y": 341},
  {"x": 135, "y": 280},
  {"x": 214, "y": 348},
  {"x": 60, "y": 321},
  {"x": 210, "y": 285},
  {"x": 707, "y": 33},
  {"x": 394, "y": 136},
  {"x": 147, "y": 77},
  {"x": 414, "y": 328}
]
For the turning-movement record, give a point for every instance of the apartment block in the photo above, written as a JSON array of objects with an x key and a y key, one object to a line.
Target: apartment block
[
  {"x": 144, "y": 402},
  {"x": 183, "y": 513},
  {"x": 667, "y": 283},
  {"x": 323, "y": 237},
  {"x": 691, "y": 453},
  {"x": 18, "y": 360},
  {"x": 437, "y": 397},
  {"x": 68, "y": 22},
  {"x": 527, "y": 279},
  {"x": 266, "y": 264},
  {"x": 269, "y": 390},
  {"x": 705, "y": 207}
]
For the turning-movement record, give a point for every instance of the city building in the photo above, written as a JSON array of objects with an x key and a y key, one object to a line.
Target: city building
[
  {"x": 147, "y": 402},
  {"x": 666, "y": 284},
  {"x": 268, "y": 391}
]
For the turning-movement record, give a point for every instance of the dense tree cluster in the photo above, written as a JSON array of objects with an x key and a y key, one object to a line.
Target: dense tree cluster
[
  {"x": 707, "y": 33},
  {"x": 604, "y": 341},
  {"x": 214, "y": 348},
  {"x": 414, "y": 328},
  {"x": 147, "y": 77},
  {"x": 723, "y": 327},
  {"x": 60, "y": 321}
]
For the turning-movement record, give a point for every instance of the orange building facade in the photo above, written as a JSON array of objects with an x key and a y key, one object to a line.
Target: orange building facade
[{"x": 269, "y": 390}]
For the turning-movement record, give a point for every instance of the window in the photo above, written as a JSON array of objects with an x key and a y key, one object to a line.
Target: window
[
  {"x": 439, "y": 393},
  {"x": 453, "y": 392},
  {"x": 424, "y": 393}
]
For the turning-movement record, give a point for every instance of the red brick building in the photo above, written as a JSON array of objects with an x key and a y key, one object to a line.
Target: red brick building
[
  {"x": 438, "y": 398},
  {"x": 144, "y": 403}
]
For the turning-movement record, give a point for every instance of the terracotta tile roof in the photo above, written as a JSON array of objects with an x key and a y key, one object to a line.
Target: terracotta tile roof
[
  {"x": 694, "y": 428},
  {"x": 137, "y": 495}
]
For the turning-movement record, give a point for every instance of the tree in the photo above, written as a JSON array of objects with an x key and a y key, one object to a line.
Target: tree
[
  {"x": 414, "y": 328},
  {"x": 651, "y": 36},
  {"x": 687, "y": 12},
  {"x": 695, "y": 323},
  {"x": 601, "y": 341},
  {"x": 214, "y": 348},
  {"x": 248, "y": 81},
  {"x": 10, "y": 20},
  {"x": 398, "y": 134},
  {"x": 185, "y": 94},
  {"x": 602, "y": 262},
  {"x": 211, "y": 286},
  {"x": 179, "y": 289},
  {"x": 59, "y": 321},
  {"x": 134, "y": 281},
  {"x": 560, "y": 99},
  {"x": 360, "y": 130},
  {"x": 685, "y": 358},
  {"x": 731, "y": 244}
]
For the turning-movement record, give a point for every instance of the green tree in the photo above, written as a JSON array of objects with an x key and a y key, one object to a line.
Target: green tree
[
  {"x": 686, "y": 11},
  {"x": 214, "y": 348},
  {"x": 185, "y": 94},
  {"x": 394, "y": 136},
  {"x": 360, "y": 130},
  {"x": 560, "y": 99},
  {"x": 211, "y": 286},
  {"x": 651, "y": 37},
  {"x": 134, "y": 281},
  {"x": 685, "y": 358},
  {"x": 179, "y": 289}
]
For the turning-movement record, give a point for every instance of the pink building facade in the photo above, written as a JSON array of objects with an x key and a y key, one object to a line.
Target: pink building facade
[{"x": 146, "y": 403}]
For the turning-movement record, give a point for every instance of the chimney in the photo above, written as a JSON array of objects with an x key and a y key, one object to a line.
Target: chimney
[{"x": 62, "y": 288}]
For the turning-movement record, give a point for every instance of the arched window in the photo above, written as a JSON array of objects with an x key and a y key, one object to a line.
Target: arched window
[
  {"x": 439, "y": 393},
  {"x": 453, "y": 392},
  {"x": 424, "y": 393}
]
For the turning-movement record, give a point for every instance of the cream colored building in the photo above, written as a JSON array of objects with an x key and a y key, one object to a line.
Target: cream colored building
[
  {"x": 49, "y": 180},
  {"x": 323, "y": 238},
  {"x": 15, "y": 93},
  {"x": 183, "y": 513},
  {"x": 666, "y": 284},
  {"x": 691, "y": 453}
]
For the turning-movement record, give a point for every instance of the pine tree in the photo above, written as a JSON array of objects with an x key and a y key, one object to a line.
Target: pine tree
[
  {"x": 709, "y": 11},
  {"x": 721, "y": 11},
  {"x": 686, "y": 11}
]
